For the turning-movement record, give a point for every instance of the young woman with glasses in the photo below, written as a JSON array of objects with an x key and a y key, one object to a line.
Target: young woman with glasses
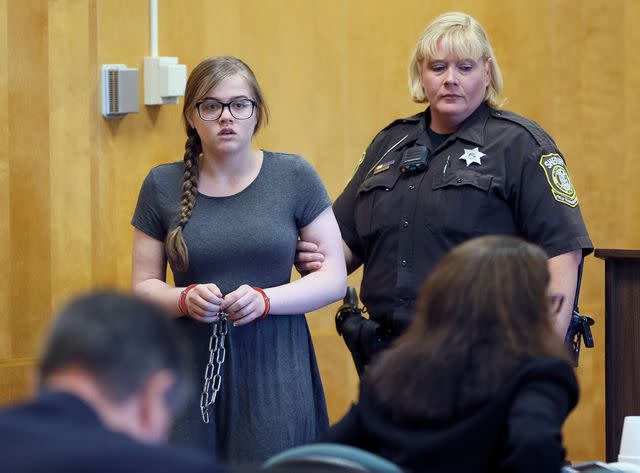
[
  {"x": 227, "y": 220},
  {"x": 478, "y": 382}
]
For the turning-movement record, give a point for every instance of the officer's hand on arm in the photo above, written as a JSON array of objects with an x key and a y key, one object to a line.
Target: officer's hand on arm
[
  {"x": 318, "y": 288},
  {"x": 308, "y": 259},
  {"x": 563, "y": 270},
  {"x": 353, "y": 262}
]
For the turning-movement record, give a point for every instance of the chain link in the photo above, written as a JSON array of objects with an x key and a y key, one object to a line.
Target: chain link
[{"x": 212, "y": 376}]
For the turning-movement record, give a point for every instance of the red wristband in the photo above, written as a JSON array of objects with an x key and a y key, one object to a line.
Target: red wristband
[
  {"x": 182, "y": 304},
  {"x": 267, "y": 303}
]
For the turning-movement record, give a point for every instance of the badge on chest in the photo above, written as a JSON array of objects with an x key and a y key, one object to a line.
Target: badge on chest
[{"x": 472, "y": 156}]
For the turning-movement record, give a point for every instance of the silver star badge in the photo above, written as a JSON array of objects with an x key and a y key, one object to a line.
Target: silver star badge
[{"x": 472, "y": 156}]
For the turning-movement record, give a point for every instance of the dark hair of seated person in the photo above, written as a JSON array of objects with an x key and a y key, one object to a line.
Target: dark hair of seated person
[
  {"x": 121, "y": 341},
  {"x": 483, "y": 313}
]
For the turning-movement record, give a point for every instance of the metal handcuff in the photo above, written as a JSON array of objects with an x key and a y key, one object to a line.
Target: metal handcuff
[{"x": 212, "y": 376}]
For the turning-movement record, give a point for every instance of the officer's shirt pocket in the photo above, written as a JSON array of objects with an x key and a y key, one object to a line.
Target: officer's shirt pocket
[
  {"x": 378, "y": 206},
  {"x": 457, "y": 203}
]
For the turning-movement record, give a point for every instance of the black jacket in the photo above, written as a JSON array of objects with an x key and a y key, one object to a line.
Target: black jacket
[
  {"x": 401, "y": 224},
  {"x": 58, "y": 432},
  {"x": 519, "y": 430}
]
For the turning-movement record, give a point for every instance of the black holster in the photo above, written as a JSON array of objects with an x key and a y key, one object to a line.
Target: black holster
[
  {"x": 579, "y": 329},
  {"x": 364, "y": 337},
  {"x": 579, "y": 325}
]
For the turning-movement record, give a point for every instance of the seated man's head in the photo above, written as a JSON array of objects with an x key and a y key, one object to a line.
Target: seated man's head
[{"x": 122, "y": 356}]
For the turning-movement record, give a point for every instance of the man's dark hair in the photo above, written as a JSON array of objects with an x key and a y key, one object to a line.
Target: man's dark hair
[{"x": 121, "y": 341}]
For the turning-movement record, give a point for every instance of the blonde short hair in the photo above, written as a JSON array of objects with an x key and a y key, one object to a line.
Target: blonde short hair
[{"x": 460, "y": 35}]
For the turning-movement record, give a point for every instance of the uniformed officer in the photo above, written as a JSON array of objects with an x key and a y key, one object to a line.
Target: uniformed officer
[{"x": 460, "y": 169}]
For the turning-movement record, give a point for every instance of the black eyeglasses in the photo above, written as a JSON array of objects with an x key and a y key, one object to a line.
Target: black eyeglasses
[
  {"x": 210, "y": 109},
  {"x": 555, "y": 303}
]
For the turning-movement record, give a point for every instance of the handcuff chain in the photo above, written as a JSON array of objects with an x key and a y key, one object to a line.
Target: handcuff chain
[{"x": 212, "y": 376}]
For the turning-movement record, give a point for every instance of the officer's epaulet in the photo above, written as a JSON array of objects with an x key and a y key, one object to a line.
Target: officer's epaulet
[
  {"x": 535, "y": 130},
  {"x": 382, "y": 134},
  {"x": 412, "y": 120}
]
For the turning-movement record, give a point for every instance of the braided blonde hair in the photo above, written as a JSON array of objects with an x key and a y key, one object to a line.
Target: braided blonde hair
[{"x": 204, "y": 77}]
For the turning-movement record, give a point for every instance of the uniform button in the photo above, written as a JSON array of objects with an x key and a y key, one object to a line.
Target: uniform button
[
  {"x": 401, "y": 301},
  {"x": 411, "y": 187},
  {"x": 387, "y": 189},
  {"x": 459, "y": 180},
  {"x": 403, "y": 262},
  {"x": 405, "y": 224}
]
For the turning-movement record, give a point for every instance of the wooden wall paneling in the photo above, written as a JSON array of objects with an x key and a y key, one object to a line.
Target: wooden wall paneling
[
  {"x": 28, "y": 145},
  {"x": 378, "y": 44},
  {"x": 609, "y": 202},
  {"x": 599, "y": 118},
  {"x": 338, "y": 374},
  {"x": 584, "y": 431},
  {"x": 5, "y": 195},
  {"x": 629, "y": 67},
  {"x": 292, "y": 77},
  {"x": 125, "y": 41},
  {"x": 127, "y": 146},
  {"x": 184, "y": 34},
  {"x": 71, "y": 76},
  {"x": 103, "y": 223},
  {"x": 334, "y": 74},
  {"x": 526, "y": 48},
  {"x": 100, "y": 247},
  {"x": 597, "y": 110},
  {"x": 17, "y": 381}
]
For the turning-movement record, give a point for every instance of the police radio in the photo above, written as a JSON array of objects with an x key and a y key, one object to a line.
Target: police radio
[{"x": 414, "y": 160}]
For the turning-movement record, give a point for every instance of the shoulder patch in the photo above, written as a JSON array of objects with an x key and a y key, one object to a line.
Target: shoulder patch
[{"x": 559, "y": 180}]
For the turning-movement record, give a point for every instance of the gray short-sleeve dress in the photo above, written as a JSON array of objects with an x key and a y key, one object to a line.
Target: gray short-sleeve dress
[{"x": 271, "y": 396}]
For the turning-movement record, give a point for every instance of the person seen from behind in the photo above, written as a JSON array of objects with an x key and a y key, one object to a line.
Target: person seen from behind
[
  {"x": 113, "y": 374},
  {"x": 478, "y": 382}
]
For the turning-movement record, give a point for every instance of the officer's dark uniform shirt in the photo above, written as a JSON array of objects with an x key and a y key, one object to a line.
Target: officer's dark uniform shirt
[{"x": 499, "y": 173}]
